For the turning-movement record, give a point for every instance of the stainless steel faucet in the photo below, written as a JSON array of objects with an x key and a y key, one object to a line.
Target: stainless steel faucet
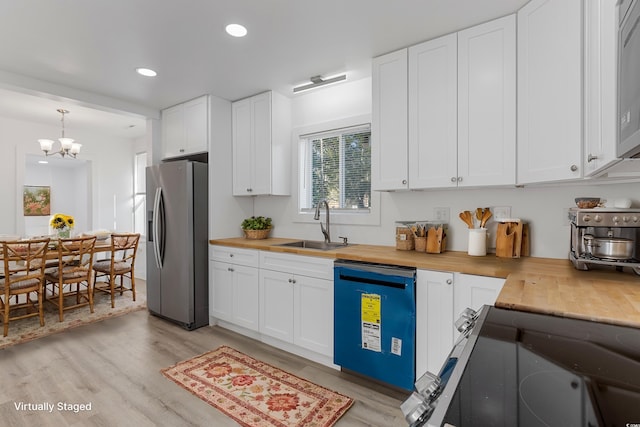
[{"x": 325, "y": 230}]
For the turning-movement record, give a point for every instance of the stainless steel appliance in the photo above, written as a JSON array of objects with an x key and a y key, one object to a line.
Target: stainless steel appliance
[
  {"x": 375, "y": 321},
  {"x": 605, "y": 237},
  {"x": 628, "y": 82},
  {"x": 513, "y": 368},
  {"x": 177, "y": 242}
]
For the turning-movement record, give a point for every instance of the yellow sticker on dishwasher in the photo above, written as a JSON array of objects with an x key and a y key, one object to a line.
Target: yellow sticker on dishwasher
[{"x": 371, "y": 322}]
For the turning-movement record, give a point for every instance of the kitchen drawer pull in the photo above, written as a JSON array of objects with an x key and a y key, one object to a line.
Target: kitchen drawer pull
[
  {"x": 449, "y": 281},
  {"x": 453, "y": 179},
  {"x": 574, "y": 168}
]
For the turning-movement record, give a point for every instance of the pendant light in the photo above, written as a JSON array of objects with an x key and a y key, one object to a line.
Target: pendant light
[{"x": 67, "y": 145}]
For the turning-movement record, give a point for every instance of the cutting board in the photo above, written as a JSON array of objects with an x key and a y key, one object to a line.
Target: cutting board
[{"x": 512, "y": 239}]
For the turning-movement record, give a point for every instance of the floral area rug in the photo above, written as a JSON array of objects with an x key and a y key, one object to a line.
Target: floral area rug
[
  {"x": 256, "y": 394},
  {"x": 28, "y": 329}
]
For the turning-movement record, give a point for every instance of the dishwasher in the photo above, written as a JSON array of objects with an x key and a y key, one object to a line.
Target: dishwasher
[{"x": 375, "y": 321}]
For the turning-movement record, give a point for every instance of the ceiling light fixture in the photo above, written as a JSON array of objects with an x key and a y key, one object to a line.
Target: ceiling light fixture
[
  {"x": 68, "y": 146},
  {"x": 147, "y": 72},
  {"x": 317, "y": 81},
  {"x": 236, "y": 30}
]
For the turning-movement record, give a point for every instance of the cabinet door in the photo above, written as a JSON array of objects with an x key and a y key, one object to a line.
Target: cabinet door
[
  {"x": 276, "y": 304},
  {"x": 242, "y": 147},
  {"x": 433, "y": 123},
  {"x": 261, "y": 130},
  {"x": 487, "y": 103},
  {"x": 474, "y": 292},
  {"x": 434, "y": 320},
  {"x": 600, "y": 85},
  {"x": 221, "y": 290},
  {"x": 313, "y": 308},
  {"x": 246, "y": 297},
  {"x": 173, "y": 131},
  {"x": 549, "y": 91},
  {"x": 196, "y": 125},
  {"x": 389, "y": 134}
]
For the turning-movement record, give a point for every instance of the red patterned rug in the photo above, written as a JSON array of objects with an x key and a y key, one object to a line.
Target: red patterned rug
[{"x": 256, "y": 394}]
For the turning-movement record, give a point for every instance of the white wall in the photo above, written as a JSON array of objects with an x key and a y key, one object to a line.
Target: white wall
[
  {"x": 110, "y": 181},
  {"x": 543, "y": 206}
]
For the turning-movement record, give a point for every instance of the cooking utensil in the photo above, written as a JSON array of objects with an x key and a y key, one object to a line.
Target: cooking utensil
[
  {"x": 479, "y": 214},
  {"x": 467, "y": 218},
  {"x": 609, "y": 247},
  {"x": 486, "y": 214}
]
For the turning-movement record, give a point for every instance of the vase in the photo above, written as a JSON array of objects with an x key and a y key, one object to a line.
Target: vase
[{"x": 63, "y": 233}]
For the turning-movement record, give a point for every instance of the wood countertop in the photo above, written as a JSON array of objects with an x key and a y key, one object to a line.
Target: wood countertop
[{"x": 542, "y": 285}]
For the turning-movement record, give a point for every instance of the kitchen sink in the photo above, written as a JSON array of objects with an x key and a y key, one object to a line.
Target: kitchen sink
[{"x": 315, "y": 244}]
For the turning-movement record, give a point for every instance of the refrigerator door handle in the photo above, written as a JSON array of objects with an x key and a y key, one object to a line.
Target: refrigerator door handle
[{"x": 157, "y": 206}]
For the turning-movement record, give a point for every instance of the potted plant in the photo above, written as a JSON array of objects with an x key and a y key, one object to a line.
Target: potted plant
[{"x": 256, "y": 227}]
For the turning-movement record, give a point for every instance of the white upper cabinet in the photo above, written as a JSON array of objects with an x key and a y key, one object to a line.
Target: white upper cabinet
[
  {"x": 549, "y": 91},
  {"x": 389, "y": 169},
  {"x": 433, "y": 109},
  {"x": 460, "y": 120},
  {"x": 261, "y": 145},
  {"x": 185, "y": 128},
  {"x": 601, "y": 29},
  {"x": 487, "y": 103}
]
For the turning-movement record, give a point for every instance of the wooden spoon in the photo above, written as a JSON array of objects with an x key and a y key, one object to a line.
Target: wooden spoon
[
  {"x": 466, "y": 218},
  {"x": 486, "y": 214}
]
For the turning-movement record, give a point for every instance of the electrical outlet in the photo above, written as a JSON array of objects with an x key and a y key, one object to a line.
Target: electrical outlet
[
  {"x": 441, "y": 214},
  {"x": 501, "y": 212}
]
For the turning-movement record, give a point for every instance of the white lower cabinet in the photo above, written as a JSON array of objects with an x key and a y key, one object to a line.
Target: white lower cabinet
[
  {"x": 294, "y": 306},
  {"x": 440, "y": 298},
  {"x": 234, "y": 289}
]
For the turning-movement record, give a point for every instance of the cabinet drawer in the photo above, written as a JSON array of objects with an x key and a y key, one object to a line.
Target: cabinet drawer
[
  {"x": 310, "y": 266},
  {"x": 248, "y": 257}
]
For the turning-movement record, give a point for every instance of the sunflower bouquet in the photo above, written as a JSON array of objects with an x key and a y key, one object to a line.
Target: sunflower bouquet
[{"x": 62, "y": 224}]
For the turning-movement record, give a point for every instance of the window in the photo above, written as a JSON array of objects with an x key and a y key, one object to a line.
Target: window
[
  {"x": 139, "y": 195},
  {"x": 336, "y": 166}
]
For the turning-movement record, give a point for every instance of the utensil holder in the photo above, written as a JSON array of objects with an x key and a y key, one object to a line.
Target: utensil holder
[
  {"x": 420, "y": 244},
  {"x": 477, "y": 242},
  {"x": 404, "y": 239}
]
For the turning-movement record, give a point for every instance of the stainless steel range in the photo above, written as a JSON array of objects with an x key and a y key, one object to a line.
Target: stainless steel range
[
  {"x": 603, "y": 237},
  {"x": 513, "y": 368}
]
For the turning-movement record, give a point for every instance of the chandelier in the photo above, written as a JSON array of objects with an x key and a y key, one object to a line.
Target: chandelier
[{"x": 68, "y": 146}]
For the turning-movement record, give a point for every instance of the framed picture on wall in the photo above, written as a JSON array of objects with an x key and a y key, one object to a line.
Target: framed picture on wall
[{"x": 36, "y": 200}]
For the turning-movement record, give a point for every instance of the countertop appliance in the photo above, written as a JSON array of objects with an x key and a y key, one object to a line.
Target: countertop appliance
[
  {"x": 375, "y": 321},
  {"x": 628, "y": 83},
  {"x": 605, "y": 238},
  {"x": 514, "y": 368},
  {"x": 177, "y": 246}
]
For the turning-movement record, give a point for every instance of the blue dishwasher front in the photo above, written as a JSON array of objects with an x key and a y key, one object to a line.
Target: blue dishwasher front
[{"x": 375, "y": 321}]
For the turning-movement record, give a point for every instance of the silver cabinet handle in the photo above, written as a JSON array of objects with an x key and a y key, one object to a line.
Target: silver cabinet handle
[
  {"x": 459, "y": 179},
  {"x": 449, "y": 281},
  {"x": 249, "y": 190},
  {"x": 453, "y": 179},
  {"x": 591, "y": 158},
  {"x": 230, "y": 255},
  {"x": 230, "y": 269},
  {"x": 404, "y": 182},
  {"x": 574, "y": 168}
]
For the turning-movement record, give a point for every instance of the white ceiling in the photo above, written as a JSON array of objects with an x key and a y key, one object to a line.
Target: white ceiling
[{"x": 95, "y": 46}]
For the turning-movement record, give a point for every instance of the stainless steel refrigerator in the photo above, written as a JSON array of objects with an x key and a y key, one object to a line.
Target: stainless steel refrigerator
[{"x": 177, "y": 242}]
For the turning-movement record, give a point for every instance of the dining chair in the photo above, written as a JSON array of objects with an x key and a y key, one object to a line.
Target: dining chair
[
  {"x": 70, "y": 278},
  {"x": 120, "y": 265},
  {"x": 23, "y": 275}
]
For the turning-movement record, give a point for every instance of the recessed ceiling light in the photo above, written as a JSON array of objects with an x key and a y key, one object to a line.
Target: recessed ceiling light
[
  {"x": 236, "y": 30},
  {"x": 147, "y": 72},
  {"x": 43, "y": 162}
]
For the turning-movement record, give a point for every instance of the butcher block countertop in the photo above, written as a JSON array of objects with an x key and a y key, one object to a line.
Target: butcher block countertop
[{"x": 542, "y": 285}]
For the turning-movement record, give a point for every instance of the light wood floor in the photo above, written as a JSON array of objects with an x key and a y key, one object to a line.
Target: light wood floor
[{"x": 115, "y": 365}]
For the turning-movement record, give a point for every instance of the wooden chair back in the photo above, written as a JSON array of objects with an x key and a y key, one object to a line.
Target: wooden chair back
[
  {"x": 24, "y": 268},
  {"x": 75, "y": 258},
  {"x": 124, "y": 247},
  {"x": 24, "y": 260}
]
